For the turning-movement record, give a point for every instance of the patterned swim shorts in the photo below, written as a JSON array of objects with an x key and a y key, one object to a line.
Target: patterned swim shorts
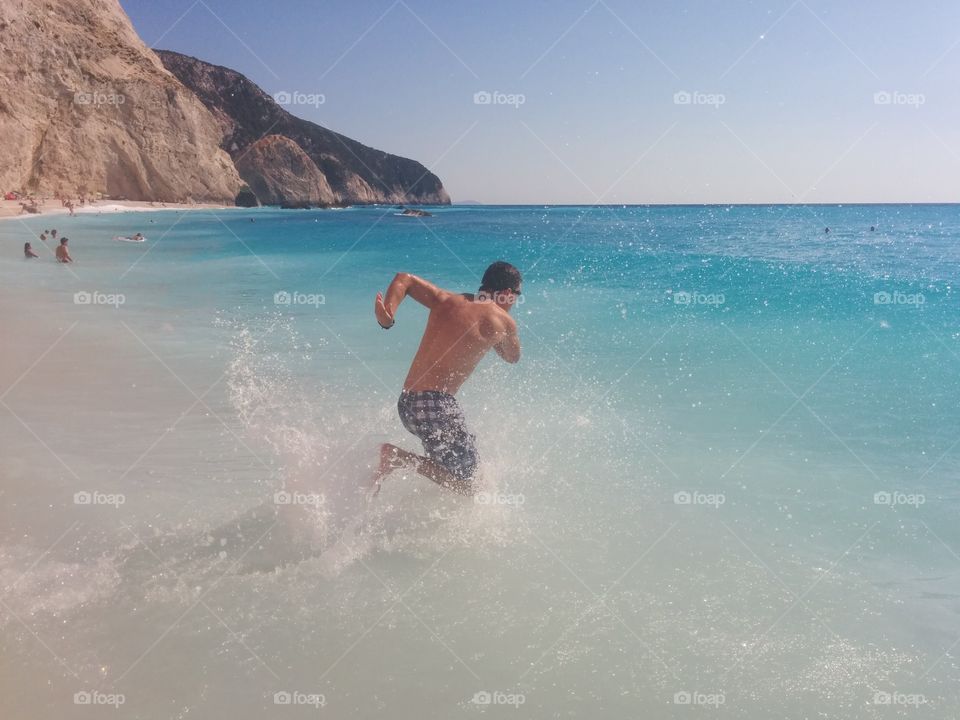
[{"x": 436, "y": 418}]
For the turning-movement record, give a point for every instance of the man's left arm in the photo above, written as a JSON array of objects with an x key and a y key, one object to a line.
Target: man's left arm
[{"x": 509, "y": 347}]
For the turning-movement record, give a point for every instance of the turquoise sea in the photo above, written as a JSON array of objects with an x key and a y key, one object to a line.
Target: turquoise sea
[{"x": 723, "y": 479}]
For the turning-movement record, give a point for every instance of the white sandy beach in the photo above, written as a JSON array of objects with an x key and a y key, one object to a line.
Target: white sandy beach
[{"x": 12, "y": 209}]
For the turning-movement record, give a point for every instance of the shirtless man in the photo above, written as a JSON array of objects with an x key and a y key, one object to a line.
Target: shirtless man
[
  {"x": 460, "y": 330},
  {"x": 63, "y": 254}
]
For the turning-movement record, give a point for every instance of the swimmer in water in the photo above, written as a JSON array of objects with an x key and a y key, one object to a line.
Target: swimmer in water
[{"x": 461, "y": 329}]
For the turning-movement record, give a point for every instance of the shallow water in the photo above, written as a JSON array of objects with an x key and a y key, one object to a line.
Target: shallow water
[{"x": 724, "y": 473}]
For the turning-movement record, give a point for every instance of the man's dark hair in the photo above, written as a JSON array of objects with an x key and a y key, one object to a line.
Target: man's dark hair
[
  {"x": 63, "y": 241},
  {"x": 500, "y": 276}
]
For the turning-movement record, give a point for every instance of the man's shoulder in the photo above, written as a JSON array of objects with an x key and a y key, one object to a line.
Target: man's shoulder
[{"x": 499, "y": 317}]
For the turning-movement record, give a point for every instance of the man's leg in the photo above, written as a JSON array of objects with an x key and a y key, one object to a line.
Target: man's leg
[{"x": 393, "y": 458}]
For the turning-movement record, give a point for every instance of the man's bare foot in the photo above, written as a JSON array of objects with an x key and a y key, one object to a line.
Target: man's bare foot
[{"x": 390, "y": 459}]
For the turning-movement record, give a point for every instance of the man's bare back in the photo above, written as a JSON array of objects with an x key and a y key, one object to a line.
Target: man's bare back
[
  {"x": 461, "y": 329},
  {"x": 459, "y": 332}
]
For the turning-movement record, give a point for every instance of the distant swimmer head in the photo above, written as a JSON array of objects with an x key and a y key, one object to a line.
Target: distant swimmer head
[
  {"x": 826, "y": 230},
  {"x": 502, "y": 281}
]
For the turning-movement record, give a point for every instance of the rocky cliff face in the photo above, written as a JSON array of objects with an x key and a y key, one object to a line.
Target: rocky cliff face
[
  {"x": 86, "y": 107},
  {"x": 280, "y": 173},
  {"x": 351, "y": 171}
]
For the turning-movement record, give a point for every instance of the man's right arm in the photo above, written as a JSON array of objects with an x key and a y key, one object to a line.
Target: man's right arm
[{"x": 425, "y": 293}]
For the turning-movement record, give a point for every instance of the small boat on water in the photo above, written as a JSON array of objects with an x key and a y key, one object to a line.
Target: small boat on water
[{"x": 410, "y": 212}]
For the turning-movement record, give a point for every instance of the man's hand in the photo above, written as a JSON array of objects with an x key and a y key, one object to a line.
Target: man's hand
[{"x": 384, "y": 317}]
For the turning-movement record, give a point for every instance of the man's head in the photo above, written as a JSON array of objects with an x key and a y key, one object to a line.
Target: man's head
[
  {"x": 64, "y": 241},
  {"x": 501, "y": 283}
]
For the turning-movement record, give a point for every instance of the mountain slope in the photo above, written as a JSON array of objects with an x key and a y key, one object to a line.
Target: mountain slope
[
  {"x": 354, "y": 172},
  {"x": 86, "y": 107}
]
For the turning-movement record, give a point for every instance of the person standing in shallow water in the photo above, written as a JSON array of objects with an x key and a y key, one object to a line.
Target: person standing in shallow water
[
  {"x": 63, "y": 254},
  {"x": 461, "y": 329}
]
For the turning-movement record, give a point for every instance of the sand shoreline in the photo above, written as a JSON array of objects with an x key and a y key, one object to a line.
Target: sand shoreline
[{"x": 10, "y": 209}]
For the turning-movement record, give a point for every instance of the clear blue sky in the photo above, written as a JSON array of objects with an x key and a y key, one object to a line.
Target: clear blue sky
[{"x": 799, "y": 119}]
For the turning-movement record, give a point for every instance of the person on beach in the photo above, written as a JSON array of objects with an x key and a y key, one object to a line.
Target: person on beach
[
  {"x": 461, "y": 328},
  {"x": 28, "y": 251},
  {"x": 63, "y": 254},
  {"x": 53, "y": 233}
]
